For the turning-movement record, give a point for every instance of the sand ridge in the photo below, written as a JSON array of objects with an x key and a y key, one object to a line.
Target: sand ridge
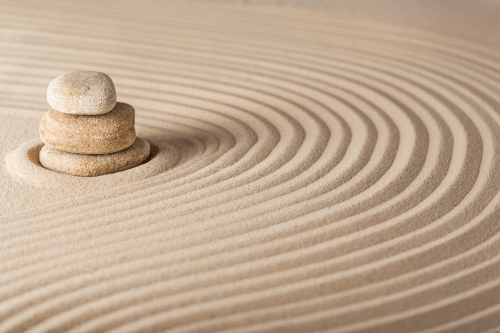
[{"x": 335, "y": 174}]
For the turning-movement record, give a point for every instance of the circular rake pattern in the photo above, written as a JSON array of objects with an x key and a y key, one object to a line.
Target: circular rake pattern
[{"x": 341, "y": 176}]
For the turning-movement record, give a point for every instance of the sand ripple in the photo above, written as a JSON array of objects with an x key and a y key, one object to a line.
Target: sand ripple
[{"x": 334, "y": 175}]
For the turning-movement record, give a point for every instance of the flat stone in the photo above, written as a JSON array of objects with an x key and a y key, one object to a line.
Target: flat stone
[
  {"x": 82, "y": 93},
  {"x": 85, "y": 165},
  {"x": 100, "y": 134}
]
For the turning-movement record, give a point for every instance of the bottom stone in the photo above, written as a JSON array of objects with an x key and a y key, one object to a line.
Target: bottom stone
[{"x": 94, "y": 165}]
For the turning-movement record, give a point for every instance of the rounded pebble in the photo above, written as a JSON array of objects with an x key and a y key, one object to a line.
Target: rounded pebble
[
  {"x": 84, "y": 165},
  {"x": 82, "y": 93},
  {"x": 101, "y": 134}
]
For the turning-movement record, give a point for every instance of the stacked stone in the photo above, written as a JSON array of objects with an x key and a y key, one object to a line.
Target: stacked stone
[{"x": 88, "y": 133}]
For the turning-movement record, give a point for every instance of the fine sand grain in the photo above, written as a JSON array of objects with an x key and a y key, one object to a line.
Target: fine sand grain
[{"x": 314, "y": 168}]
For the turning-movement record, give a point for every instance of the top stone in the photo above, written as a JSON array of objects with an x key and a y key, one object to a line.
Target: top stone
[{"x": 82, "y": 93}]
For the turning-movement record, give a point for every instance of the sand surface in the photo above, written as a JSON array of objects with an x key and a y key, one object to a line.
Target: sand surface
[{"x": 320, "y": 166}]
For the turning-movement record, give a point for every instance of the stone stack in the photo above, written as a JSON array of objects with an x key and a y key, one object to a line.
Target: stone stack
[{"x": 88, "y": 133}]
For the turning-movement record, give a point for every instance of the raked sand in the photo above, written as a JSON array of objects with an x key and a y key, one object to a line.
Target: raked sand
[{"x": 315, "y": 167}]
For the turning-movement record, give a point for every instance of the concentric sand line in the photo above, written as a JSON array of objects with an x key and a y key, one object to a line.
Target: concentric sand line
[{"x": 334, "y": 174}]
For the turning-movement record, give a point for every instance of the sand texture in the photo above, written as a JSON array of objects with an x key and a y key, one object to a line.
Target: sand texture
[
  {"x": 316, "y": 166},
  {"x": 84, "y": 93},
  {"x": 93, "y": 134}
]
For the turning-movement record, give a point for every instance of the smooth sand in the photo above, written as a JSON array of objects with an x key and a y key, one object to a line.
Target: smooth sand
[{"x": 336, "y": 172}]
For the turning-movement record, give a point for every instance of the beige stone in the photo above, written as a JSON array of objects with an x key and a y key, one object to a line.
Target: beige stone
[
  {"x": 85, "y": 165},
  {"x": 82, "y": 93},
  {"x": 100, "y": 134}
]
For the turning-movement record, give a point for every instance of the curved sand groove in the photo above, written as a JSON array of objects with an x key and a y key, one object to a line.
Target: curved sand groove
[{"x": 338, "y": 175}]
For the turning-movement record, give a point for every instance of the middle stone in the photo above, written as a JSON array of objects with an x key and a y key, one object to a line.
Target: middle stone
[{"x": 96, "y": 134}]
